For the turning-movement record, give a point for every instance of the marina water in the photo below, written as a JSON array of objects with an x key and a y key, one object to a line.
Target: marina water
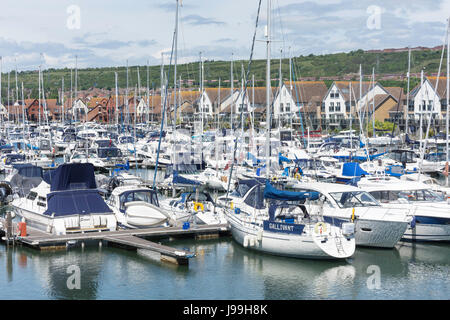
[{"x": 222, "y": 269}]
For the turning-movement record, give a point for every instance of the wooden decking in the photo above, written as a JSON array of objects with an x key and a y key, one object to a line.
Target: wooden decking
[{"x": 130, "y": 238}]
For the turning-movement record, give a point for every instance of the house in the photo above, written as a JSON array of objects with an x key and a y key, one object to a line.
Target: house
[{"x": 426, "y": 100}]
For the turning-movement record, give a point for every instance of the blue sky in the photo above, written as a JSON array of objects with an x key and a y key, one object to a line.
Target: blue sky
[{"x": 108, "y": 32}]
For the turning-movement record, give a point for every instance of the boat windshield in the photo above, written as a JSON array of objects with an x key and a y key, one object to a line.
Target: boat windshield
[
  {"x": 387, "y": 196},
  {"x": 354, "y": 199},
  {"x": 141, "y": 195}
]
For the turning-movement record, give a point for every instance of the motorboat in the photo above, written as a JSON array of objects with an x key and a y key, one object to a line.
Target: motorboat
[
  {"x": 196, "y": 207},
  {"x": 137, "y": 206},
  {"x": 430, "y": 210},
  {"x": 66, "y": 201},
  {"x": 375, "y": 225}
]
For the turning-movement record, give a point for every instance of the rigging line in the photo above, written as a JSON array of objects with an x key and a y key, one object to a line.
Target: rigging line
[
  {"x": 164, "y": 112},
  {"x": 244, "y": 95},
  {"x": 422, "y": 153},
  {"x": 299, "y": 109}
]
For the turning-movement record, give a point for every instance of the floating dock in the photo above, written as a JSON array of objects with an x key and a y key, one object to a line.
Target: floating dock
[{"x": 129, "y": 238}]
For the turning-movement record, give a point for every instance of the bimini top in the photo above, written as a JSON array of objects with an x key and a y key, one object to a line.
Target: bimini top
[
  {"x": 75, "y": 202},
  {"x": 271, "y": 193},
  {"x": 71, "y": 176},
  {"x": 28, "y": 170}
]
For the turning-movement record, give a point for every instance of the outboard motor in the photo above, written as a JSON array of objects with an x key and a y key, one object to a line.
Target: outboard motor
[{"x": 5, "y": 191}]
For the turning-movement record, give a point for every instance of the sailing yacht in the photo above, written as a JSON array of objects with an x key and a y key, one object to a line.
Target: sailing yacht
[{"x": 269, "y": 220}]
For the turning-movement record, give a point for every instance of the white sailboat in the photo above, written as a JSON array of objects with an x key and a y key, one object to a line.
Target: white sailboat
[{"x": 265, "y": 219}]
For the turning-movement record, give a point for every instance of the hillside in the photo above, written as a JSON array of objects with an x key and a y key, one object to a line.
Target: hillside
[{"x": 390, "y": 68}]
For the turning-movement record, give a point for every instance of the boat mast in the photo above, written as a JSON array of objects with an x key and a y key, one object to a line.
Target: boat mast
[
  {"x": 422, "y": 108},
  {"x": 231, "y": 94},
  {"x": 148, "y": 95},
  {"x": 351, "y": 116},
  {"x": 448, "y": 97},
  {"x": 62, "y": 100},
  {"x": 373, "y": 103},
  {"x": 407, "y": 96},
  {"x": 117, "y": 104},
  {"x": 1, "y": 70},
  {"x": 268, "y": 120}
]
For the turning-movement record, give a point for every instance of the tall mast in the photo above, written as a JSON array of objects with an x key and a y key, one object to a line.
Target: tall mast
[
  {"x": 448, "y": 96},
  {"x": 117, "y": 103},
  {"x": 231, "y": 93},
  {"x": 175, "y": 59},
  {"x": 423, "y": 104},
  {"x": 373, "y": 102},
  {"x": 76, "y": 83},
  {"x": 268, "y": 120},
  {"x": 350, "y": 115},
  {"x": 126, "y": 101},
  {"x": 39, "y": 100},
  {"x": 279, "y": 93},
  {"x": 148, "y": 93},
  {"x": 62, "y": 101},
  {"x": 407, "y": 96},
  {"x": 1, "y": 71}
]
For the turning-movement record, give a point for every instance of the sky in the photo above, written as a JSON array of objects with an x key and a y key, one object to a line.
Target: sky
[{"x": 108, "y": 33}]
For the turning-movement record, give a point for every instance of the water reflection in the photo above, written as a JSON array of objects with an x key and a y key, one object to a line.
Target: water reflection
[{"x": 223, "y": 269}]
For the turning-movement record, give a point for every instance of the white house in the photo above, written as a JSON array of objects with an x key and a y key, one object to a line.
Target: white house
[
  {"x": 284, "y": 104},
  {"x": 339, "y": 101},
  {"x": 205, "y": 105},
  {"x": 427, "y": 100},
  {"x": 79, "y": 109}
]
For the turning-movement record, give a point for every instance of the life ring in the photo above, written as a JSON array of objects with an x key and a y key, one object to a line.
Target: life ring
[
  {"x": 197, "y": 205},
  {"x": 274, "y": 179},
  {"x": 320, "y": 228},
  {"x": 298, "y": 176}
]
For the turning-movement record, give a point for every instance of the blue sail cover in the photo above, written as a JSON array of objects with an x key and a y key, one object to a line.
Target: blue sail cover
[
  {"x": 272, "y": 193},
  {"x": 282, "y": 159},
  {"x": 352, "y": 169},
  {"x": 73, "y": 176},
  {"x": 70, "y": 202},
  {"x": 177, "y": 179}
]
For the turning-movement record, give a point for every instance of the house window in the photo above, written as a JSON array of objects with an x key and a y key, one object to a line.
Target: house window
[
  {"x": 322, "y": 109},
  {"x": 338, "y": 107},
  {"x": 288, "y": 107},
  {"x": 347, "y": 107},
  {"x": 332, "y": 95},
  {"x": 331, "y": 107},
  {"x": 281, "y": 107},
  {"x": 336, "y": 95}
]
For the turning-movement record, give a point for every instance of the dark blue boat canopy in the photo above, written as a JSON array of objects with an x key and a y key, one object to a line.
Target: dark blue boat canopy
[
  {"x": 271, "y": 193},
  {"x": 82, "y": 202},
  {"x": 71, "y": 176}
]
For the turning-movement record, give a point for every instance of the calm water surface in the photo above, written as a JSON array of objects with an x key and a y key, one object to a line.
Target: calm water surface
[{"x": 224, "y": 270}]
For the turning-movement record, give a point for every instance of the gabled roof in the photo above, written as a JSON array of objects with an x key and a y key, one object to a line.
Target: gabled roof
[{"x": 307, "y": 91}]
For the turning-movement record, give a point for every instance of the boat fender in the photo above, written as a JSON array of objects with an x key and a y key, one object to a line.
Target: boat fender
[
  {"x": 246, "y": 239},
  {"x": 413, "y": 222},
  {"x": 259, "y": 235},
  {"x": 298, "y": 176},
  {"x": 197, "y": 205},
  {"x": 252, "y": 241},
  {"x": 320, "y": 228}
]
